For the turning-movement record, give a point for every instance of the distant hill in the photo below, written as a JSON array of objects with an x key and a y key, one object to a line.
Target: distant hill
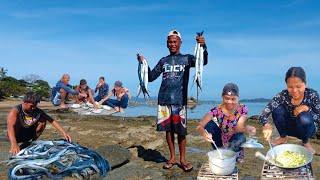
[
  {"x": 153, "y": 100},
  {"x": 136, "y": 101},
  {"x": 254, "y": 100},
  {"x": 257, "y": 100}
]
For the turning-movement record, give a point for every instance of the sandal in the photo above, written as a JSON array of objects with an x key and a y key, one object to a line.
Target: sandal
[
  {"x": 168, "y": 165},
  {"x": 186, "y": 167}
]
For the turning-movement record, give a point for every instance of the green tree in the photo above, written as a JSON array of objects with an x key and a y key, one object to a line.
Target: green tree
[
  {"x": 3, "y": 73},
  {"x": 9, "y": 86},
  {"x": 42, "y": 88}
]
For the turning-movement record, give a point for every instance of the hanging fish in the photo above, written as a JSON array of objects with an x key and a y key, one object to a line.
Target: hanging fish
[
  {"x": 143, "y": 69},
  {"x": 198, "y": 54}
]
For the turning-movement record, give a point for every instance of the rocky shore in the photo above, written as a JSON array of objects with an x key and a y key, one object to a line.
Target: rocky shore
[{"x": 133, "y": 147}]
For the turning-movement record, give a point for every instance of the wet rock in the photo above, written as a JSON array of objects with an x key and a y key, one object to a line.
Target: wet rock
[
  {"x": 4, "y": 155},
  {"x": 122, "y": 125},
  {"x": 116, "y": 155},
  {"x": 250, "y": 178},
  {"x": 4, "y": 138}
]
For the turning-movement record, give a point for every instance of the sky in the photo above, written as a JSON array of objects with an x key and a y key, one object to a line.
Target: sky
[{"x": 251, "y": 43}]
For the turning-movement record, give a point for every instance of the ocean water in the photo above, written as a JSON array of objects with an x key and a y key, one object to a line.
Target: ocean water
[{"x": 197, "y": 113}]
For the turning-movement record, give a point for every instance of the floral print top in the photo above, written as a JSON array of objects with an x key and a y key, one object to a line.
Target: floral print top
[
  {"x": 226, "y": 123},
  {"x": 311, "y": 99}
]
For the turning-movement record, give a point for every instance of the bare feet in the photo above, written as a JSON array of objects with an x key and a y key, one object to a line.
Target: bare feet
[
  {"x": 117, "y": 109},
  {"x": 279, "y": 140},
  {"x": 97, "y": 105},
  {"x": 169, "y": 164},
  {"x": 63, "y": 106}
]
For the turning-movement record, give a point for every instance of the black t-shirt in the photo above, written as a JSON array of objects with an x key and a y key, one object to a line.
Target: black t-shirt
[{"x": 28, "y": 121}]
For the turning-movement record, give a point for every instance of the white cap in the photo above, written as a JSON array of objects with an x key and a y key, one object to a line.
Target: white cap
[{"x": 174, "y": 33}]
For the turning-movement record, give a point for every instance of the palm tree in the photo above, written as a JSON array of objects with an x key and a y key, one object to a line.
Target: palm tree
[{"x": 3, "y": 73}]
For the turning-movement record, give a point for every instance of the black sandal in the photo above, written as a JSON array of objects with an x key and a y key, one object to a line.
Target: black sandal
[
  {"x": 186, "y": 167},
  {"x": 168, "y": 165}
]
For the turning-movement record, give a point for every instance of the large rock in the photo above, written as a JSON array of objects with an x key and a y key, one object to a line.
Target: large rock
[
  {"x": 116, "y": 155},
  {"x": 154, "y": 144},
  {"x": 135, "y": 171},
  {"x": 4, "y": 154}
]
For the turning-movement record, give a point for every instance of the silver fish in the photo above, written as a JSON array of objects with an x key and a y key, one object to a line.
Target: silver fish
[
  {"x": 56, "y": 159},
  {"x": 198, "y": 53},
  {"x": 143, "y": 69},
  {"x": 31, "y": 167}
]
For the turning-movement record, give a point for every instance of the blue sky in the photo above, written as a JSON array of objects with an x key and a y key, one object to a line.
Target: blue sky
[{"x": 251, "y": 43}]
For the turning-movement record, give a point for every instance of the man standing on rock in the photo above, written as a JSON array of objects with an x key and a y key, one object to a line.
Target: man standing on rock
[
  {"x": 26, "y": 123},
  {"x": 173, "y": 93}
]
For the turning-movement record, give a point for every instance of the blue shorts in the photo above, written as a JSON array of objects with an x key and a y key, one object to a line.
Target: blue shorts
[{"x": 56, "y": 100}]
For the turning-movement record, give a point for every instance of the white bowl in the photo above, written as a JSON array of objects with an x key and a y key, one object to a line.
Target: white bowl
[{"x": 97, "y": 111}]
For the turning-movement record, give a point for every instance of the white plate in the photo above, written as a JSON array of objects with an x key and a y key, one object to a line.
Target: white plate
[
  {"x": 97, "y": 111},
  {"x": 89, "y": 104},
  {"x": 75, "y": 106},
  {"x": 106, "y": 107},
  {"x": 85, "y": 107}
]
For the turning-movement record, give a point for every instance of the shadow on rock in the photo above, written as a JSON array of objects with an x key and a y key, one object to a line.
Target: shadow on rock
[
  {"x": 116, "y": 156},
  {"x": 149, "y": 154}
]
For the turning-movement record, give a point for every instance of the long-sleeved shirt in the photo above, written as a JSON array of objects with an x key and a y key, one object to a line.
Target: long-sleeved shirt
[
  {"x": 175, "y": 71},
  {"x": 103, "y": 90},
  {"x": 311, "y": 99},
  {"x": 66, "y": 87}
]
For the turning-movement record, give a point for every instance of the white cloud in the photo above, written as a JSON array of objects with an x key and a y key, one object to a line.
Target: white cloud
[{"x": 106, "y": 11}]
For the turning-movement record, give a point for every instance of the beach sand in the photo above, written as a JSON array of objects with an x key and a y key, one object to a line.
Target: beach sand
[{"x": 137, "y": 135}]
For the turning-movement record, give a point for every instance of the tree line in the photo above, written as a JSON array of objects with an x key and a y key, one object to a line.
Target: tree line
[{"x": 12, "y": 87}]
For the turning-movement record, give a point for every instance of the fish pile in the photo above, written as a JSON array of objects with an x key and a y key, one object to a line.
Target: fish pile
[
  {"x": 55, "y": 160},
  {"x": 198, "y": 54},
  {"x": 143, "y": 69}
]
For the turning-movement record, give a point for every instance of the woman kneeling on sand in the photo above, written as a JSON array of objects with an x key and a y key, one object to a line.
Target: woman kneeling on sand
[
  {"x": 225, "y": 124},
  {"x": 295, "y": 111}
]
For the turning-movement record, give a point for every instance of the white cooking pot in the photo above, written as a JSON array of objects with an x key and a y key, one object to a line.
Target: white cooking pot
[{"x": 224, "y": 166}]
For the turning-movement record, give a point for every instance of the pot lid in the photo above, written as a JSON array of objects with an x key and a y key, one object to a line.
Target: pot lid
[{"x": 252, "y": 143}]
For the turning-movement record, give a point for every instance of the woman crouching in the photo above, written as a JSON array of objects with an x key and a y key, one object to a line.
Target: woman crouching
[
  {"x": 225, "y": 124},
  {"x": 295, "y": 111}
]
